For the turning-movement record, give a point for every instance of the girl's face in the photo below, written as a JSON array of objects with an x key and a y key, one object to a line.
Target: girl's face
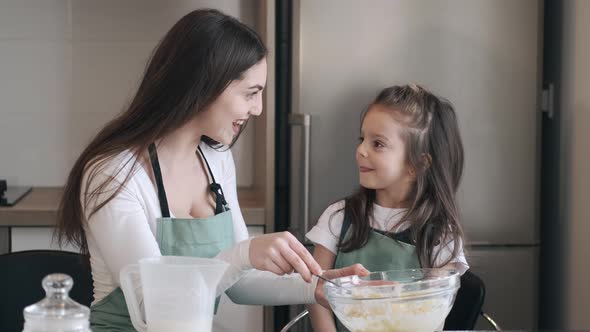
[
  {"x": 240, "y": 100},
  {"x": 381, "y": 154}
]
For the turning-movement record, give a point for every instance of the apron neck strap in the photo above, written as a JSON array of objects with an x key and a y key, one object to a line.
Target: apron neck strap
[
  {"x": 207, "y": 163},
  {"x": 158, "y": 177},
  {"x": 345, "y": 226},
  {"x": 220, "y": 202}
]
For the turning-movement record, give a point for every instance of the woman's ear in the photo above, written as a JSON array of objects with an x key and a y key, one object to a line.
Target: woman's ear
[
  {"x": 426, "y": 161},
  {"x": 411, "y": 172}
]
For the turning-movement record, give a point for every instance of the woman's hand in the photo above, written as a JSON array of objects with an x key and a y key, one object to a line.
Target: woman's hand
[
  {"x": 356, "y": 269},
  {"x": 281, "y": 253}
]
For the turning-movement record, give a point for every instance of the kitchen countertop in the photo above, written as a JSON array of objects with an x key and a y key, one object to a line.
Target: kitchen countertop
[{"x": 39, "y": 208}]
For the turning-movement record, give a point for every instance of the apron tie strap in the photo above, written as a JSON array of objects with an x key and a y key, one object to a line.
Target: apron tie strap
[{"x": 220, "y": 203}]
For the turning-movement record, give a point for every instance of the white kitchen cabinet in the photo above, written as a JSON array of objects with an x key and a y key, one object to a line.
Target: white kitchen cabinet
[
  {"x": 255, "y": 230},
  {"x": 41, "y": 238},
  {"x": 35, "y": 238}
]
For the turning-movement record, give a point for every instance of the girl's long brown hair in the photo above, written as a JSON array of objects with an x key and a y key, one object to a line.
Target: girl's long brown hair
[
  {"x": 435, "y": 151},
  {"x": 191, "y": 66}
]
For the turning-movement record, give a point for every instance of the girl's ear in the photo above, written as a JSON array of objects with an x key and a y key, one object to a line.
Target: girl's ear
[{"x": 425, "y": 162}]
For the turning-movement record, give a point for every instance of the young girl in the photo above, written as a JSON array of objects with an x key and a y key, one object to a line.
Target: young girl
[{"x": 410, "y": 160}]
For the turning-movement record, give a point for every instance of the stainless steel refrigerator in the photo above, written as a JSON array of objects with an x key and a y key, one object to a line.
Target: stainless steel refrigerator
[{"x": 483, "y": 55}]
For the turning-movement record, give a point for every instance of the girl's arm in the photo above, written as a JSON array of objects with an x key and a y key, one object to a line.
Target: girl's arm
[{"x": 321, "y": 318}]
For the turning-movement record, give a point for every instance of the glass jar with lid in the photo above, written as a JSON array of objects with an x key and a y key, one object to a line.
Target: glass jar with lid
[{"x": 57, "y": 312}]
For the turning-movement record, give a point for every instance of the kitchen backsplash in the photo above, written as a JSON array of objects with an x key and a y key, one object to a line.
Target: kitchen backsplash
[{"x": 68, "y": 66}]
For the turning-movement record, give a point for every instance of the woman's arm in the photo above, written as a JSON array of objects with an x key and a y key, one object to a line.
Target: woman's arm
[
  {"x": 266, "y": 288},
  {"x": 119, "y": 231},
  {"x": 321, "y": 318},
  {"x": 259, "y": 287},
  {"x": 280, "y": 253}
]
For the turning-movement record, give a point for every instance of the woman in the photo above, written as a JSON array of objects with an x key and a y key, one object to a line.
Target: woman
[{"x": 157, "y": 179}]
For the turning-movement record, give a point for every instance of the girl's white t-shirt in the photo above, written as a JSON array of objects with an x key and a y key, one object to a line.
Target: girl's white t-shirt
[{"x": 327, "y": 230}]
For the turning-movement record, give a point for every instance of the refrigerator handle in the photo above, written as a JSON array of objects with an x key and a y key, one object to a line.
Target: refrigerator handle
[{"x": 299, "y": 191}]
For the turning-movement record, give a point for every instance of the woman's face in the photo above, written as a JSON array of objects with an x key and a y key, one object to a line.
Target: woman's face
[{"x": 240, "y": 100}]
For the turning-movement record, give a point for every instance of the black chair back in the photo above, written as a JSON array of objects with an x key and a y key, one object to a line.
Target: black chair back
[
  {"x": 468, "y": 303},
  {"x": 20, "y": 281}
]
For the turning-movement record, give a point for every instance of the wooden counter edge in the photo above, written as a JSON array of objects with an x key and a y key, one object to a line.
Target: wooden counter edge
[{"x": 39, "y": 208}]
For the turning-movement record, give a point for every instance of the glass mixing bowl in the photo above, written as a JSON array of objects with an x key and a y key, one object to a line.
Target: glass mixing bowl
[{"x": 390, "y": 301}]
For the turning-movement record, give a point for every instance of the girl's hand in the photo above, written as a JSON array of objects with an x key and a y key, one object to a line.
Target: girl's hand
[
  {"x": 356, "y": 269},
  {"x": 281, "y": 253}
]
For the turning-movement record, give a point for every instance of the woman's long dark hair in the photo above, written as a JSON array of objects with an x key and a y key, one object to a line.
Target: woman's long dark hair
[
  {"x": 435, "y": 151},
  {"x": 191, "y": 66}
]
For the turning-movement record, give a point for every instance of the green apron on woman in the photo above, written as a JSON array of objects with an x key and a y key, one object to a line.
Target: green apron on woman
[{"x": 196, "y": 237}]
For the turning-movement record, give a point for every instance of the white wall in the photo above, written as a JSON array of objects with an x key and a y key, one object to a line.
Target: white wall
[
  {"x": 575, "y": 138},
  {"x": 68, "y": 66}
]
